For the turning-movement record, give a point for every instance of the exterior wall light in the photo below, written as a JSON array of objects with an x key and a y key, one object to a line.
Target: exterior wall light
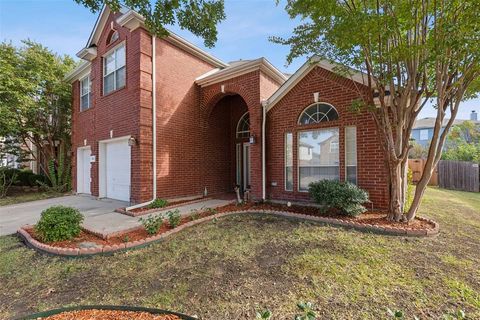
[
  {"x": 132, "y": 141},
  {"x": 252, "y": 139},
  {"x": 316, "y": 96}
]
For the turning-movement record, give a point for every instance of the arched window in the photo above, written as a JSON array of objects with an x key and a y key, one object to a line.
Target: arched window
[
  {"x": 243, "y": 126},
  {"x": 113, "y": 37},
  {"x": 318, "y": 112}
]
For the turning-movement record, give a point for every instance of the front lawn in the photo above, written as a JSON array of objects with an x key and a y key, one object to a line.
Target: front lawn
[
  {"x": 27, "y": 196},
  {"x": 229, "y": 268}
]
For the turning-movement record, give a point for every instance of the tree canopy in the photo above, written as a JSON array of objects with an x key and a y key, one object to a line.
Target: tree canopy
[
  {"x": 411, "y": 51},
  {"x": 198, "y": 16},
  {"x": 35, "y": 102}
]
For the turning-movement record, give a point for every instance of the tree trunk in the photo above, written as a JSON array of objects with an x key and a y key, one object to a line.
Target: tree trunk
[{"x": 396, "y": 192}]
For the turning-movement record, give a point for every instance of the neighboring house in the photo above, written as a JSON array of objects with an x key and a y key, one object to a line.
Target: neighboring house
[
  {"x": 422, "y": 130},
  {"x": 211, "y": 125},
  {"x": 12, "y": 161}
]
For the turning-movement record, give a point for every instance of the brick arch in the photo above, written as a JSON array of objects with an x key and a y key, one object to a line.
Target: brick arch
[{"x": 212, "y": 95}]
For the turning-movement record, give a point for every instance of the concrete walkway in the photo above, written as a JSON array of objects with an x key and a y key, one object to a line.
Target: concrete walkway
[
  {"x": 115, "y": 222},
  {"x": 14, "y": 216}
]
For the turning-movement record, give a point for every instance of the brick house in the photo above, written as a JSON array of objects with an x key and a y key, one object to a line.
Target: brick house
[{"x": 211, "y": 125}]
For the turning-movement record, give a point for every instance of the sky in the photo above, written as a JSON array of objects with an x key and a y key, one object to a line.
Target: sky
[{"x": 64, "y": 27}]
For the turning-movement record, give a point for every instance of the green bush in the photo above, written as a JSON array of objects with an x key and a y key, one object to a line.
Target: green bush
[
  {"x": 343, "y": 196},
  {"x": 174, "y": 218},
  {"x": 158, "y": 203},
  {"x": 59, "y": 223},
  {"x": 152, "y": 223}
]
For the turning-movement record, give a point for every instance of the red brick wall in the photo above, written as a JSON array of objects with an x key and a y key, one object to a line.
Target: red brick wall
[
  {"x": 180, "y": 140},
  {"x": 252, "y": 88},
  {"x": 283, "y": 117},
  {"x": 117, "y": 111}
]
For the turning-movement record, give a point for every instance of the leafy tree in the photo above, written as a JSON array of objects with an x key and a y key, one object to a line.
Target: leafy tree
[
  {"x": 411, "y": 51},
  {"x": 35, "y": 104},
  {"x": 463, "y": 143},
  {"x": 198, "y": 16}
]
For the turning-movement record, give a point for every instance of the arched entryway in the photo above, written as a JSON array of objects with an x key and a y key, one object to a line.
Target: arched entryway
[{"x": 227, "y": 152}]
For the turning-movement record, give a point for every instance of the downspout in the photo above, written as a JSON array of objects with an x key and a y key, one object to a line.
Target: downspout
[
  {"x": 154, "y": 128},
  {"x": 264, "y": 157}
]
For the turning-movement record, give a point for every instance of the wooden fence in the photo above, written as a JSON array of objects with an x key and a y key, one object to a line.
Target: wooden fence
[
  {"x": 459, "y": 175},
  {"x": 416, "y": 166}
]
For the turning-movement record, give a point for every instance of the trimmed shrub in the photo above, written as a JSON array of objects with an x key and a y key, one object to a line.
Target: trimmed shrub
[
  {"x": 158, "y": 203},
  {"x": 152, "y": 223},
  {"x": 59, "y": 223},
  {"x": 343, "y": 196}
]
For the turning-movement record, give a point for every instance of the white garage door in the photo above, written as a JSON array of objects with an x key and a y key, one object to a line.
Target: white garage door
[{"x": 118, "y": 170}]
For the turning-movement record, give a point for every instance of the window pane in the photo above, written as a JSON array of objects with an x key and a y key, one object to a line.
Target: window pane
[
  {"x": 120, "y": 78},
  {"x": 289, "y": 161},
  {"x": 109, "y": 64},
  {"x": 108, "y": 84},
  {"x": 351, "y": 154},
  {"x": 84, "y": 86},
  {"x": 352, "y": 174},
  {"x": 318, "y": 156},
  {"x": 120, "y": 52},
  {"x": 317, "y": 113},
  {"x": 313, "y": 174},
  {"x": 84, "y": 102}
]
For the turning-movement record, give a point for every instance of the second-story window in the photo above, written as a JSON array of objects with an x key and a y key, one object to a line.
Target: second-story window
[
  {"x": 114, "y": 70},
  {"x": 85, "y": 93}
]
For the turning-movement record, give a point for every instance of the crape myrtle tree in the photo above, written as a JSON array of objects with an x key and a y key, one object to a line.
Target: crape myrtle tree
[
  {"x": 35, "y": 107},
  {"x": 411, "y": 52},
  {"x": 198, "y": 16}
]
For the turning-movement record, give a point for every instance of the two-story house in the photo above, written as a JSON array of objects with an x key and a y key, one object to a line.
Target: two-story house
[
  {"x": 422, "y": 130},
  {"x": 159, "y": 117}
]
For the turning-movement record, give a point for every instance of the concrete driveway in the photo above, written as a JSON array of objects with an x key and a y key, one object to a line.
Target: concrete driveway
[{"x": 14, "y": 216}]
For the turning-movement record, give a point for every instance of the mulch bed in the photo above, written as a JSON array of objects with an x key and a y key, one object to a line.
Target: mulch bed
[
  {"x": 109, "y": 315},
  {"x": 128, "y": 236},
  {"x": 367, "y": 218},
  {"x": 378, "y": 218}
]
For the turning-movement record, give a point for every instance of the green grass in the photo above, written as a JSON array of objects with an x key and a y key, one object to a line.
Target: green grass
[
  {"x": 26, "y": 197},
  {"x": 229, "y": 268}
]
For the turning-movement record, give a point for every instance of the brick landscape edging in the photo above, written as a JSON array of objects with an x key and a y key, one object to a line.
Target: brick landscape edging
[
  {"x": 154, "y": 210},
  {"x": 109, "y": 249}
]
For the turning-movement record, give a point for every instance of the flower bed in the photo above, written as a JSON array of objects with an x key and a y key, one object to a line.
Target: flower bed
[
  {"x": 108, "y": 313},
  {"x": 146, "y": 210},
  {"x": 137, "y": 237}
]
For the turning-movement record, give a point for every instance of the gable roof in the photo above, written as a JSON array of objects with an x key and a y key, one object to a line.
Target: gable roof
[
  {"x": 132, "y": 20},
  {"x": 238, "y": 68},
  {"x": 305, "y": 69}
]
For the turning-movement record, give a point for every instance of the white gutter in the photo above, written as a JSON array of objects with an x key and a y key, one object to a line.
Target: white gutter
[
  {"x": 154, "y": 128},
  {"x": 264, "y": 156}
]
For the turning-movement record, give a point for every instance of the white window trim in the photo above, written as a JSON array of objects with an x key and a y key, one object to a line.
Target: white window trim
[
  {"x": 238, "y": 125},
  {"x": 104, "y": 59},
  {"x": 420, "y": 134},
  {"x": 316, "y": 103},
  {"x": 285, "y": 160},
  {"x": 356, "y": 153},
  {"x": 87, "y": 94}
]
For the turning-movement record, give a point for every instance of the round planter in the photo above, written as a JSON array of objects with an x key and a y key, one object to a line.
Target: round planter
[{"x": 48, "y": 313}]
